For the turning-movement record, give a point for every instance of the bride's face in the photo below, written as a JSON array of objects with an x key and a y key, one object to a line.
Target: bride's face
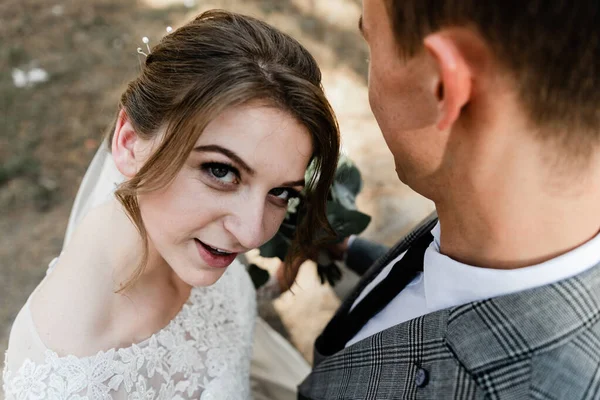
[{"x": 231, "y": 194}]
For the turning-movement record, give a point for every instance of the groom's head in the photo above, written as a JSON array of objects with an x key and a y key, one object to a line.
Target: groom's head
[{"x": 455, "y": 85}]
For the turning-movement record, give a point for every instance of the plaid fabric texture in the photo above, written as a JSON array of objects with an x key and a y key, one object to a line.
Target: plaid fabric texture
[{"x": 542, "y": 343}]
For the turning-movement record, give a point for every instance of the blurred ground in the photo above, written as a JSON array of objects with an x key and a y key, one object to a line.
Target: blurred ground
[{"x": 50, "y": 130}]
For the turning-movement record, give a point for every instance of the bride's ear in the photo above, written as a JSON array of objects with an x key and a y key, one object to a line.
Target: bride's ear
[{"x": 123, "y": 146}]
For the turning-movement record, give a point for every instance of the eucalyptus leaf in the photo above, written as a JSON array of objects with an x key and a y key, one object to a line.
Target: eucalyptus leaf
[
  {"x": 258, "y": 275},
  {"x": 330, "y": 273},
  {"x": 346, "y": 222},
  {"x": 276, "y": 247}
]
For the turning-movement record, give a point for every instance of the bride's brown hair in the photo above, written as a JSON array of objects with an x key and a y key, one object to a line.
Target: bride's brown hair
[{"x": 217, "y": 61}]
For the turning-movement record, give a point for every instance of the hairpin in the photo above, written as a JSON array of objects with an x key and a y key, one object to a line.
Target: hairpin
[{"x": 147, "y": 43}]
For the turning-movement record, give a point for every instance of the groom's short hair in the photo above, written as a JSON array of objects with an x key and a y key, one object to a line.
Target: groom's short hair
[{"x": 550, "y": 47}]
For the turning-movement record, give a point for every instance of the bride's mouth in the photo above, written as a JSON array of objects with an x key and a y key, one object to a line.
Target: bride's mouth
[{"x": 214, "y": 256}]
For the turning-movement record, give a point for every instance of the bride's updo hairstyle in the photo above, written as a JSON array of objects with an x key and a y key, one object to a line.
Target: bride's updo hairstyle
[{"x": 218, "y": 61}]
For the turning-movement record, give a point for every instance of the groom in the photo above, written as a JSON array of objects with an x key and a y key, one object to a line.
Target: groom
[{"x": 491, "y": 110}]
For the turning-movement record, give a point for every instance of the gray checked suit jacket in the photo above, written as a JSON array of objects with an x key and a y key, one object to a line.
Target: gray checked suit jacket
[{"x": 542, "y": 343}]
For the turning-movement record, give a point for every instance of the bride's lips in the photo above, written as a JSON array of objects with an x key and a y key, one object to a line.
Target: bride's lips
[{"x": 213, "y": 259}]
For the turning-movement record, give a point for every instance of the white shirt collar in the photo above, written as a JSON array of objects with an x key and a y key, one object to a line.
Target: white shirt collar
[{"x": 449, "y": 283}]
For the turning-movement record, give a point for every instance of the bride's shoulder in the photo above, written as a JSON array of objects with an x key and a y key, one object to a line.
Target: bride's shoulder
[{"x": 73, "y": 307}]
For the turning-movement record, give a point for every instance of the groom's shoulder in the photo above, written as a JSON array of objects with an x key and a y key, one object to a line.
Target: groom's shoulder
[{"x": 569, "y": 370}]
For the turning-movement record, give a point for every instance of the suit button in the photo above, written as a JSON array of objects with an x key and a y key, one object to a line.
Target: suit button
[{"x": 422, "y": 377}]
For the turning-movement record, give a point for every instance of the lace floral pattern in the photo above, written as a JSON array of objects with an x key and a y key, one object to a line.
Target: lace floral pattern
[{"x": 203, "y": 353}]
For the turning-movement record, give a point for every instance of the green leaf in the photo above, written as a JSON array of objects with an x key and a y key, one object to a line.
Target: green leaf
[
  {"x": 347, "y": 222},
  {"x": 331, "y": 273},
  {"x": 258, "y": 275},
  {"x": 276, "y": 247},
  {"x": 348, "y": 175}
]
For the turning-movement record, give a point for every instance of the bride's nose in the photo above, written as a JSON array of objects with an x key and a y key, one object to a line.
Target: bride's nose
[{"x": 247, "y": 222}]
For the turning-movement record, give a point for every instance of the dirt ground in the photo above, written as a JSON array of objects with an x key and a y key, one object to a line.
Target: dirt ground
[{"x": 50, "y": 130}]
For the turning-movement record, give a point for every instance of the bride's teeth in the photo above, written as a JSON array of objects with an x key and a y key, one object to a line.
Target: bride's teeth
[{"x": 219, "y": 251}]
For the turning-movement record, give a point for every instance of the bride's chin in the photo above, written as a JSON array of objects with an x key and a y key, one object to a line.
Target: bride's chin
[{"x": 202, "y": 277}]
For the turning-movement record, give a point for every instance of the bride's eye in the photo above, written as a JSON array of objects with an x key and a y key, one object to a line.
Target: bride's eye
[{"x": 222, "y": 173}]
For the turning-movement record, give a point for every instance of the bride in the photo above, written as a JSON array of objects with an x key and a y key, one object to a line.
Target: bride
[{"x": 147, "y": 299}]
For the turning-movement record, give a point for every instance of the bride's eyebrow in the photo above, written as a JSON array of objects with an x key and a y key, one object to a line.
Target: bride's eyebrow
[{"x": 213, "y": 148}]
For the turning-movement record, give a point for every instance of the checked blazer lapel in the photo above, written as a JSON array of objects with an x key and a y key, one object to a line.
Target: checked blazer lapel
[{"x": 325, "y": 344}]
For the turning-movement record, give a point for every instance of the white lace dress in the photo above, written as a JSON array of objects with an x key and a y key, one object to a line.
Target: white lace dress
[{"x": 203, "y": 353}]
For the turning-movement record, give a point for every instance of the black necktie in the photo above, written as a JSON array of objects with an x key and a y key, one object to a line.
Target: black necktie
[{"x": 334, "y": 338}]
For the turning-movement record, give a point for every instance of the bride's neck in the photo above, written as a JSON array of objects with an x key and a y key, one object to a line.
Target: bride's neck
[{"x": 120, "y": 245}]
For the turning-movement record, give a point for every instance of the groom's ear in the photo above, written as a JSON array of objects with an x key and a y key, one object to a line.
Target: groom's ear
[
  {"x": 123, "y": 146},
  {"x": 454, "y": 88}
]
